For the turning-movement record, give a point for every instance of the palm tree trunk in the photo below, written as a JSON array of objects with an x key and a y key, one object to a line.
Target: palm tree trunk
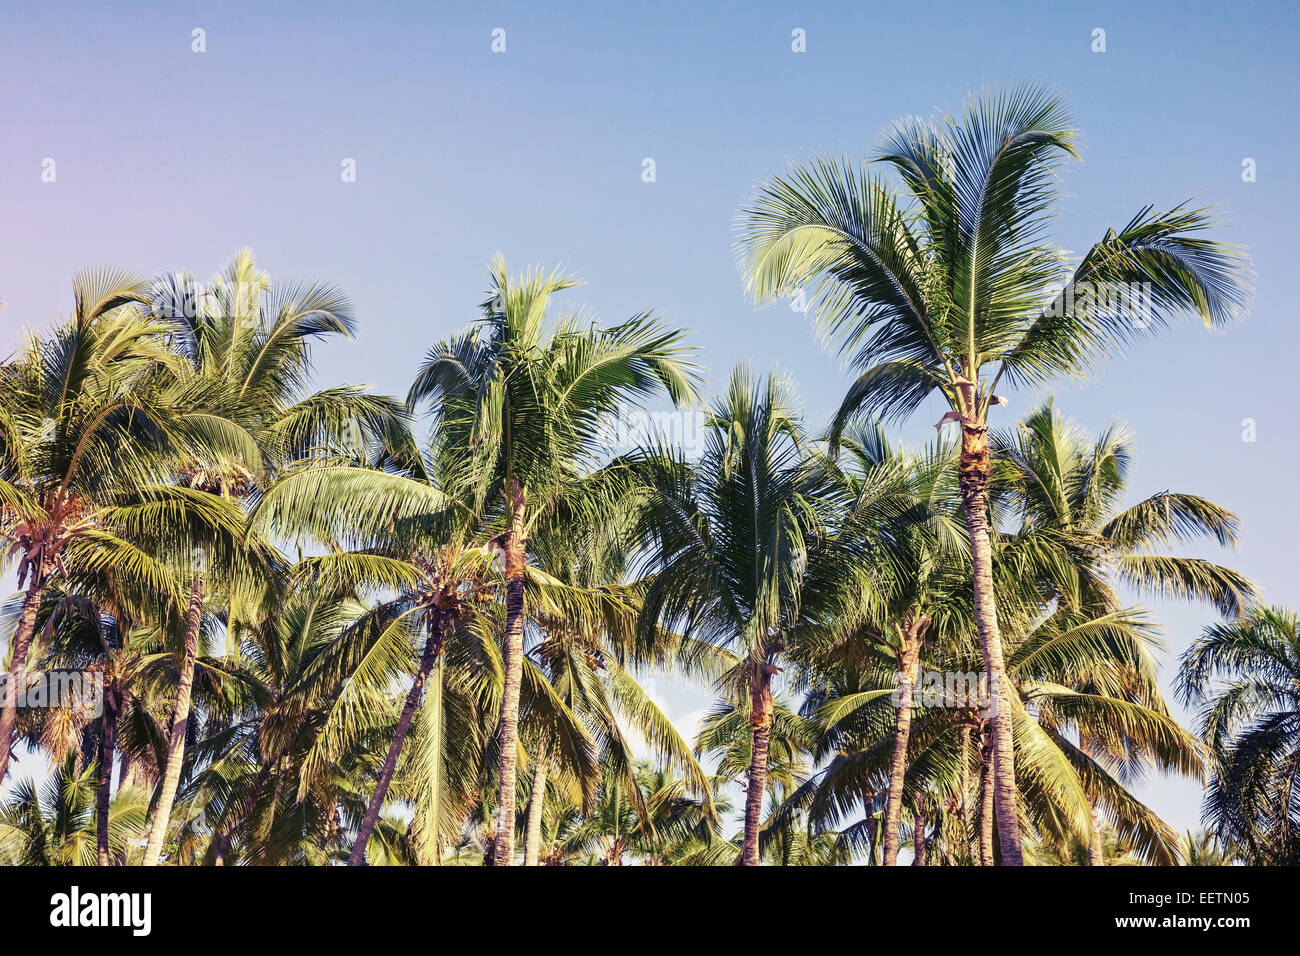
[
  {"x": 536, "y": 801},
  {"x": 986, "y": 800},
  {"x": 974, "y": 473},
  {"x": 432, "y": 648},
  {"x": 907, "y": 660},
  {"x": 965, "y": 789},
  {"x": 18, "y": 665},
  {"x": 508, "y": 732},
  {"x": 918, "y": 838},
  {"x": 103, "y": 794},
  {"x": 1096, "y": 853},
  {"x": 760, "y": 725},
  {"x": 171, "y": 778}
]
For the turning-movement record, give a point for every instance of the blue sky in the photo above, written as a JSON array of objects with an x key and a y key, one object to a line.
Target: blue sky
[{"x": 170, "y": 159}]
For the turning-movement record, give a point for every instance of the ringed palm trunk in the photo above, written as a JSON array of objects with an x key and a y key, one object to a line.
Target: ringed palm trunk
[
  {"x": 918, "y": 838},
  {"x": 107, "y": 748},
  {"x": 965, "y": 789},
  {"x": 1096, "y": 852},
  {"x": 171, "y": 778},
  {"x": 508, "y": 736},
  {"x": 760, "y": 726},
  {"x": 907, "y": 660},
  {"x": 536, "y": 803},
  {"x": 986, "y": 800},
  {"x": 974, "y": 475},
  {"x": 432, "y": 649},
  {"x": 18, "y": 665}
]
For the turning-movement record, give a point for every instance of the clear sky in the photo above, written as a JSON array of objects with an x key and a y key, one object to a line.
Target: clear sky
[{"x": 165, "y": 158}]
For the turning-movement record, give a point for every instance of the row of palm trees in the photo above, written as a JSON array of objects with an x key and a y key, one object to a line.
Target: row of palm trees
[{"x": 332, "y": 626}]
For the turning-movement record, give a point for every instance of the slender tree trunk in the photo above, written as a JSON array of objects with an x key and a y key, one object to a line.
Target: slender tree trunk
[
  {"x": 918, "y": 838},
  {"x": 760, "y": 726},
  {"x": 1096, "y": 853},
  {"x": 907, "y": 659},
  {"x": 536, "y": 803},
  {"x": 986, "y": 800},
  {"x": 974, "y": 472},
  {"x": 964, "y": 810},
  {"x": 508, "y": 736},
  {"x": 103, "y": 794},
  {"x": 171, "y": 778},
  {"x": 432, "y": 649},
  {"x": 17, "y": 682}
]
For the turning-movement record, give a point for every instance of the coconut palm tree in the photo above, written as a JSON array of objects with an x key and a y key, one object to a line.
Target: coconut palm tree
[
  {"x": 1203, "y": 848},
  {"x": 246, "y": 341},
  {"x": 522, "y": 398},
  {"x": 54, "y": 824},
  {"x": 917, "y": 581},
  {"x": 947, "y": 289},
  {"x": 1065, "y": 491},
  {"x": 729, "y": 540},
  {"x": 83, "y": 427},
  {"x": 220, "y": 551},
  {"x": 1244, "y": 674},
  {"x": 1083, "y": 678}
]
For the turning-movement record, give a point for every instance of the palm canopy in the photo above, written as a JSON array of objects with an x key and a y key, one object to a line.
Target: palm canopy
[
  {"x": 1068, "y": 491},
  {"x": 522, "y": 398},
  {"x": 730, "y": 535},
  {"x": 1244, "y": 674},
  {"x": 924, "y": 283},
  {"x": 246, "y": 345}
]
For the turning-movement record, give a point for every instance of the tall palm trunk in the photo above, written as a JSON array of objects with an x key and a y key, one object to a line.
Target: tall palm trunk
[
  {"x": 986, "y": 799},
  {"x": 907, "y": 660},
  {"x": 514, "y": 546},
  {"x": 18, "y": 664},
  {"x": 1096, "y": 852},
  {"x": 964, "y": 807},
  {"x": 918, "y": 838},
  {"x": 536, "y": 803},
  {"x": 760, "y": 726},
  {"x": 107, "y": 748},
  {"x": 974, "y": 475},
  {"x": 432, "y": 650},
  {"x": 171, "y": 778}
]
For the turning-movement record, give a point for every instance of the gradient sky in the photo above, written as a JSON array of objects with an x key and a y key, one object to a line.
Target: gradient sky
[{"x": 170, "y": 159}]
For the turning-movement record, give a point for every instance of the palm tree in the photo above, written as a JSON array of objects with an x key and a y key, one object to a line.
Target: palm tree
[
  {"x": 1065, "y": 490},
  {"x": 246, "y": 341},
  {"x": 647, "y": 814},
  {"x": 1245, "y": 676},
  {"x": 221, "y": 546},
  {"x": 915, "y": 580},
  {"x": 1203, "y": 848},
  {"x": 81, "y": 428},
  {"x": 522, "y": 400},
  {"x": 950, "y": 291},
  {"x": 82, "y": 635},
  {"x": 729, "y": 540},
  {"x": 54, "y": 824}
]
